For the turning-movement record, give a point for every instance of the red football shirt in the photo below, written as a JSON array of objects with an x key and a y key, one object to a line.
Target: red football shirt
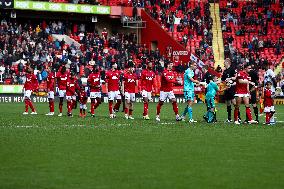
[
  {"x": 167, "y": 81},
  {"x": 112, "y": 78},
  {"x": 83, "y": 96},
  {"x": 94, "y": 81},
  {"x": 62, "y": 80},
  {"x": 268, "y": 101},
  {"x": 71, "y": 86},
  {"x": 31, "y": 82},
  {"x": 50, "y": 81},
  {"x": 129, "y": 82},
  {"x": 242, "y": 88},
  {"x": 147, "y": 80}
]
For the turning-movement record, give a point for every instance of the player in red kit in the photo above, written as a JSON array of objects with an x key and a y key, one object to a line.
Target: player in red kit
[
  {"x": 128, "y": 88},
  {"x": 71, "y": 88},
  {"x": 147, "y": 81},
  {"x": 30, "y": 85},
  {"x": 112, "y": 85},
  {"x": 94, "y": 82},
  {"x": 50, "y": 89},
  {"x": 83, "y": 101},
  {"x": 167, "y": 81},
  {"x": 268, "y": 104},
  {"x": 61, "y": 78},
  {"x": 243, "y": 93}
]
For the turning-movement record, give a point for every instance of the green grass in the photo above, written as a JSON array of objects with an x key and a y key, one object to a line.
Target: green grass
[{"x": 75, "y": 153}]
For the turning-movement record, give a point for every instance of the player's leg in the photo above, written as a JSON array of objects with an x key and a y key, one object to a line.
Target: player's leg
[
  {"x": 267, "y": 118},
  {"x": 189, "y": 106},
  {"x": 248, "y": 110},
  {"x": 163, "y": 97},
  {"x": 236, "y": 111},
  {"x": 131, "y": 106},
  {"x": 172, "y": 98},
  {"x": 186, "y": 108},
  {"x": 146, "y": 104},
  {"x": 69, "y": 105},
  {"x": 51, "y": 102},
  {"x": 93, "y": 102},
  {"x": 74, "y": 102},
  {"x": 81, "y": 110},
  {"x": 31, "y": 103},
  {"x": 127, "y": 104},
  {"x": 118, "y": 101},
  {"x": 229, "y": 110},
  {"x": 254, "y": 104},
  {"x": 27, "y": 96},
  {"x": 26, "y": 106},
  {"x": 213, "y": 109},
  {"x": 84, "y": 107},
  {"x": 61, "y": 97},
  {"x": 272, "y": 112},
  {"x": 98, "y": 100},
  {"x": 110, "y": 103}
]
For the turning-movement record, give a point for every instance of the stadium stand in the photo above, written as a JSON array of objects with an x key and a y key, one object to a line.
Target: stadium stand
[
  {"x": 249, "y": 36},
  {"x": 252, "y": 32}
]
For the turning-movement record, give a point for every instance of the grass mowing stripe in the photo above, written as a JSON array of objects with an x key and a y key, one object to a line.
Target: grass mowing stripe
[{"x": 62, "y": 152}]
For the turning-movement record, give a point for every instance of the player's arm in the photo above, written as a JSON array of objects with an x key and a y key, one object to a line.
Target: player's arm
[
  {"x": 216, "y": 87},
  {"x": 245, "y": 81}
]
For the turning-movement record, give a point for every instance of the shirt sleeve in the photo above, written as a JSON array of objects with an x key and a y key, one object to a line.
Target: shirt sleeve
[{"x": 216, "y": 87}]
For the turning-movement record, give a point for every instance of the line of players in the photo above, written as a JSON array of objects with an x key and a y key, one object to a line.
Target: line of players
[
  {"x": 239, "y": 87},
  {"x": 243, "y": 86},
  {"x": 68, "y": 86}
]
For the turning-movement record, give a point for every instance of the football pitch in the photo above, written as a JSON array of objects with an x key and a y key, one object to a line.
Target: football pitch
[{"x": 80, "y": 153}]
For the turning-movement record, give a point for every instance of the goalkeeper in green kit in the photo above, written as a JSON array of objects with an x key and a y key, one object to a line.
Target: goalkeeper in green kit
[{"x": 212, "y": 89}]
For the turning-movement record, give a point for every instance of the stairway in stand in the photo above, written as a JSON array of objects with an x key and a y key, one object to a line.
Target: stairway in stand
[
  {"x": 217, "y": 43},
  {"x": 279, "y": 68}
]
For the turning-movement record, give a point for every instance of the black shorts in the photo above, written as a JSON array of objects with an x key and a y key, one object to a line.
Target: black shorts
[
  {"x": 229, "y": 93},
  {"x": 253, "y": 97}
]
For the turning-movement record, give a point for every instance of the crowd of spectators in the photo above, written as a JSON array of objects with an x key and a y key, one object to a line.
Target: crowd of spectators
[
  {"x": 257, "y": 27},
  {"x": 33, "y": 44},
  {"x": 190, "y": 24}
]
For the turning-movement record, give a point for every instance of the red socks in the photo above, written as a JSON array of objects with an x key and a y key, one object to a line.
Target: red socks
[
  {"x": 26, "y": 105},
  {"x": 69, "y": 106},
  {"x": 175, "y": 107},
  {"x": 92, "y": 108},
  {"x": 130, "y": 112},
  {"x": 145, "y": 109},
  {"x": 267, "y": 117},
  {"x": 126, "y": 111},
  {"x": 110, "y": 106},
  {"x": 51, "y": 106},
  {"x": 31, "y": 105},
  {"x": 117, "y": 105},
  {"x": 248, "y": 112}
]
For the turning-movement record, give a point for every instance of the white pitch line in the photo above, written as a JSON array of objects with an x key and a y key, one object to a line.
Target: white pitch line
[
  {"x": 27, "y": 126},
  {"x": 167, "y": 123}
]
